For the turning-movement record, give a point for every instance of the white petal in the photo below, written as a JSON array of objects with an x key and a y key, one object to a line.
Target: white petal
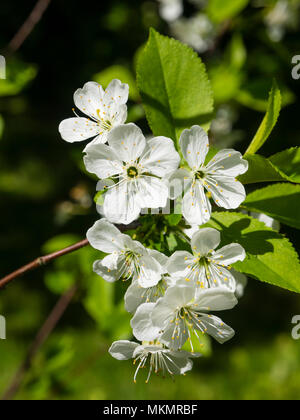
[
  {"x": 123, "y": 349},
  {"x": 118, "y": 115},
  {"x": 152, "y": 192},
  {"x": 178, "y": 262},
  {"x": 102, "y": 161},
  {"x": 116, "y": 91},
  {"x": 121, "y": 204},
  {"x": 105, "y": 237},
  {"x": 196, "y": 207},
  {"x": 227, "y": 162},
  {"x": 205, "y": 240},
  {"x": 134, "y": 297},
  {"x": 100, "y": 139},
  {"x": 179, "y": 295},
  {"x": 216, "y": 328},
  {"x": 89, "y": 99},
  {"x": 221, "y": 277},
  {"x": 105, "y": 273},
  {"x": 160, "y": 157},
  {"x": 150, "y": 271},
  {"x": 127, "y": 141},
  {"x": 226, "y": 191},
  {"x": 216, "y": 299},
  {"x": 111, "y": 261},
  {"x": 229, "y": 254},
  {"x": 134, "y": 246},
  {"x": 194, "y": 144},
  {"x": 141, "y": 323},
  {"x": 174, "y": 342},
  {"x": 162, "y": 313},
  {"x": 77, "y": 129},
  {"x": 161, "y": 258}
]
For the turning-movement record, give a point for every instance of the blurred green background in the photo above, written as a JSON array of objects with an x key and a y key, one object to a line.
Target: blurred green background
[{"x": 47, "y": 196}]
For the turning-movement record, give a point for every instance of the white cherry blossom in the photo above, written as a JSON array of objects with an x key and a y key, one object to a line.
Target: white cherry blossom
[
  {"x": 161, "y": 360},
  {"x": 126, "y": 259},
  {"x": 137, "y": 166},
  {"x": 136, "y": 294},
  {"x": 207, "y": 267},
  {"x": 184, "y": 311},
  {"x": 104, "y": 109},
  {"x": 218, "y": 177}
]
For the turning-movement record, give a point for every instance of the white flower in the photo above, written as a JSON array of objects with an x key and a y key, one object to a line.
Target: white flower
[
  {"x": 207, "y": 267},
  {"x": 136, "y": 294},
  {"x": 138, "y": 166},
  {"x": 183, "y": 311},
  {"x": 104, "y": 109},
  {"x": 126, "y": 258},
  {"x": 218, "y": 177},
  {"x": 161, "y": 360}
]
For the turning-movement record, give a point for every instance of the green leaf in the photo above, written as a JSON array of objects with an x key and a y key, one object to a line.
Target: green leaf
[
  {"x": 220, "y": 10},
  {"x": 174, "y": 86},
  {"x": 118, "y": 72},
  {"x": 263, "y": 169},
  {"x": 270, "y": 256},
  {"x": 280, "y": 201},
  {"x": 173, "y": 219},
  {"x": 288, "y": 162},
  {"x": 269, "y": 121}
]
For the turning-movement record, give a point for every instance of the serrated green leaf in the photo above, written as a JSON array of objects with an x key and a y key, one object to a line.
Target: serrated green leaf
[
  {"x": 280, "y": 201},
  {"x": 288, "y": 162},
  {"x": 263, "y": 169},
  {"x": 270, "y": 256},
  {"x": 174, "y": 86},
  {"x": 269, "y": 121},
  {"x": 220, "y": 10}
]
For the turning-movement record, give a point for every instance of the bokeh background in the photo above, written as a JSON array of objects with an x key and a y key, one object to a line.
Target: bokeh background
[{"x": 47, "y": 196}]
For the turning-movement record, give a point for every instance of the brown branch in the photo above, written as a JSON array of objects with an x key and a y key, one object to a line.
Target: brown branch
[
  {"x": 46, "y": 329},
  {"x": 28, "y": 26},
  {"x": 38, "y": 262}
]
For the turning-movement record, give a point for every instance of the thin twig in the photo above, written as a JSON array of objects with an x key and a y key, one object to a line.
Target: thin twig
[
  {"x": 38, "y": 262},
  {"x": 28, "y": 26},
  {"x": 46, "y": 329}
]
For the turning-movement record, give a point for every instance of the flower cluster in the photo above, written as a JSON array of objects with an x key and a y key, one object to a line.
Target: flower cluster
[{"x": 172, "y": 297}]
